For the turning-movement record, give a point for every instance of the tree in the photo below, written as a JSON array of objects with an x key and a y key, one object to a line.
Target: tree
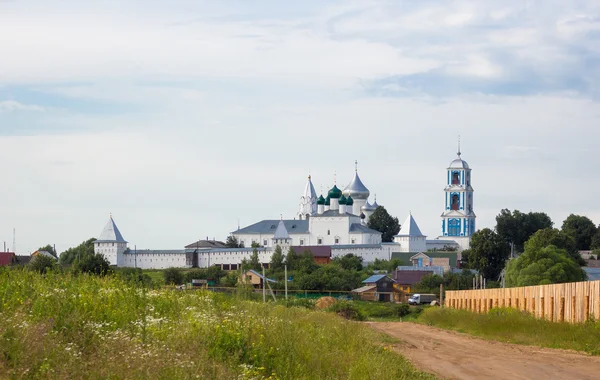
[
  {"x": 542, "y": 266},
  {"x": 233, "y": 242},
  {"x": 292, "y": 259},
  {"x": 517, "y": 227},
  {"x": 581, "y": 228},
  {"x": 383, "y": 222},
  {"x": 386, "y": 265},
  {"x": 487, "y": 254},
  {"x": 350, "y": 262},
  {"x": 42, "y": 264},
  {"x": 552, "y": 236},
  {"x": 596, "y": 239},
  {"x": 78, "y": 253},
  {"x": 173, "y": 276},
  {"x": 93, "y": 264},
  {"x": 277, "y": 259},
  {"x": 307, "y": 263},
  {"x": 254, "y": 261},
  {"x": 50, "y": 249}
]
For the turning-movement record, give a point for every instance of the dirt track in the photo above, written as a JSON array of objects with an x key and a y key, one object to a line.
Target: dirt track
[{"x": 452, "y": 355}]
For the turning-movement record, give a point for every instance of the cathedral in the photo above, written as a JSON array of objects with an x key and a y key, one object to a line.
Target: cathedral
[{"x": 337, "y": 220}]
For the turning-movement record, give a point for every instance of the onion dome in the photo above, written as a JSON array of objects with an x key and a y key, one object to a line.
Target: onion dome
[
  {"x": 321, "y": 200},
  {"x": 356, "y": 189},
  {"x": 335, "y": 193},
  {"x": 349, "y": 201},
  {"x": 362, "y": 215},
  {"x": 367, "y": 207},
  {"x": 458, "y": 163},
  {"x": 375, "y": 205},
  {"x": 342, "y": 200},
  {"x": 327, "y": 201}
]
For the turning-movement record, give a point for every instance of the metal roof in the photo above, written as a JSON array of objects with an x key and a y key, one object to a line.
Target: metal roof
[
  {"x": 261, "y": 276},
  {"x": 410, "y": 227},
  {"x": 349, "y": 246},
  {"x": 375, "y": 278},
  {"x": 356, "y": 189},
  {"x": 111, "y": 233},
  {"x": 592, "y": 273},
  {"x": 332, "y": 213},
  {"x": 357, "y": 228},
  {"x": 364, "y": 289},
  {"x": 316, "y": 250},
  {"x": 206, "y": 244},
  {"x": 155, "y": 252},
  {"x": 269, "y": 227},
  {"x": 281, "y": 232}
]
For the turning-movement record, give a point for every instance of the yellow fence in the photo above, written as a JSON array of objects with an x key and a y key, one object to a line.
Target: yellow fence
[{"x": 574, "y": 302}]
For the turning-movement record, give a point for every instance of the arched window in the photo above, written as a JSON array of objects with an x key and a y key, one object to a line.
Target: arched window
[
  {"x": 455, "y": 202},
  {"x": 328, "y": 232},
  {"x": 454, "y": 227},
  {"x": 455, "y": 178}
]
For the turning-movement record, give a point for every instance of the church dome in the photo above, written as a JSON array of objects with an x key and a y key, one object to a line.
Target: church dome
[
  {"x": 356, "y": 189},
  {"x": 349, "y": 201},
  {"x": 321, "y": 200},
  {"x": 367, "y": 207},
  {"x": 459, "y": 164},
  {"x": 342, "y": 200},
  {"x": 334, "y": 193},
  {"x": 327, "y": 201}
]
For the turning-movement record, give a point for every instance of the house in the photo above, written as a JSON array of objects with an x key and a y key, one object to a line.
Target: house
[
  {"x": 429, "y": 258},
  {"x": 378, "y": 287},
  {"x": 321, "y": 253},
  {"x": 254, "y": 278},
  {"x": 7, "y": 258},
  {"x": 406, "y": 279},
  {"x": 423, "y": 260},
  {"x": 43, "y": 253}
]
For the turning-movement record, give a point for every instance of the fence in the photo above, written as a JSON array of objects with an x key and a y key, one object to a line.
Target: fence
[{"x": 573, "y": 302}]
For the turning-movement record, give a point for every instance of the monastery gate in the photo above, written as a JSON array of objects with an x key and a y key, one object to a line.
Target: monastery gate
[{"x": 574, "y": 302}]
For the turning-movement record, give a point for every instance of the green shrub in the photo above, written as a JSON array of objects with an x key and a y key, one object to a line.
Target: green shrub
[
  {"x": 401, "y": 310},
  {"x": 173, "y": 276},
  {"x": 348, "y": 310},
  {"x": 42, "y": 264},
  {"x": 306, "y": 303}
]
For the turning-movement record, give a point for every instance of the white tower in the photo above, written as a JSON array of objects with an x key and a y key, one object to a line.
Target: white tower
[
  {"x": 458, "y": 218},
  {"x": 358, "y": 191},
  {"x": 308, "y": 201},
  {"x": 282, "y": 237},
  {"x": 111, "y": 243},
  {"x": 410, "y": 237}
]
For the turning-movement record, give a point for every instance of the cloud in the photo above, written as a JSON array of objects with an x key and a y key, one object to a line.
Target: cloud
[{"x": 11, "y": 106}]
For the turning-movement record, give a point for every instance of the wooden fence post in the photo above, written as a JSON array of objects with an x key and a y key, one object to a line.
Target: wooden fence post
[
  {"x": 573, "y": 310},
  {"x": 586, "y": 312},
  {"x": 561, "y": 310}
]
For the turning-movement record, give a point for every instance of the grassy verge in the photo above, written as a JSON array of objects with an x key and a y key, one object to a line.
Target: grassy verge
[
  {"x": 513, "y": 326},
  {"x": 64, "y": 326}
]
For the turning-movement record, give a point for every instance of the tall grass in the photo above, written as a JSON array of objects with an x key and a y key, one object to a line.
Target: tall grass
[
  {"x": 514, "y": 326},
  {"x": 65, "y": 326}
]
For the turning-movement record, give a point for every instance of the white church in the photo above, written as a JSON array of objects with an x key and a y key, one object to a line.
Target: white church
[{"x": 337, "y": 221}]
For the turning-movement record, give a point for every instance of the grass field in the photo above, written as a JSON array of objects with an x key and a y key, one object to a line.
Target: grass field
[
  {"x": 65, "y": 326},
  {"x": 514, "y": 326}
]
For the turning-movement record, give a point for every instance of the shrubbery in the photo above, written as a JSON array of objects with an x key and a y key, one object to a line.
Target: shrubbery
[{"x": 348, "y": 310}]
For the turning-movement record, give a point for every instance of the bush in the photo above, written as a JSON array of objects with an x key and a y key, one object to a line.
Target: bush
[
  {"x": 306, "y": 303},
  {"x": 347, "y": 310},
  {"x": 42, "y": 264},
  {"x": 401, "y": 310},
  {"x": 135, "y": 275},
  {"x": 173, "y": 276},
  {"x": 93, "y": 264}
]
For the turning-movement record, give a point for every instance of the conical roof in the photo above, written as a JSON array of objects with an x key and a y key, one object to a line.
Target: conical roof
[
  {"x": 281, "y": 232},
  {"x": 356, "y": 189},
  {"x": 410, "y": 227},
  {"x": 368, "y": 207},
  {"x": 309, "y": 190},
  {"x": 111, "y": 233}
]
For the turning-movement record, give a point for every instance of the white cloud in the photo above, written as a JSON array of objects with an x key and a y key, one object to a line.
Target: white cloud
[{"x": 11, "y": 105}]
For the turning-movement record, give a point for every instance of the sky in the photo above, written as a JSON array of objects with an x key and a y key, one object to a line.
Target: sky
[{"x": 183, "y": 117}]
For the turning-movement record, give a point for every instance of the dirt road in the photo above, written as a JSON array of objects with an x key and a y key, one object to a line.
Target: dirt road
[{"x": 451, "y": 355}]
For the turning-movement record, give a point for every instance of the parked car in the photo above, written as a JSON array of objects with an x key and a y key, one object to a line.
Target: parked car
[{"x": 417, "y": 299}]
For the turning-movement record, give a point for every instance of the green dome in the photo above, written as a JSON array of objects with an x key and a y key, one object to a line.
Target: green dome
[
  {"x": 349, "y": 201},
  {"x": 327, "y": 201},
  {"x": 321, "y": 200},
  {"x": 342, "y": 200},
  {"x": 335, "y": 193}
]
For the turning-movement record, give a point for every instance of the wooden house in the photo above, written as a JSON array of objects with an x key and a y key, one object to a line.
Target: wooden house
[{"x": 379, "y": 287}]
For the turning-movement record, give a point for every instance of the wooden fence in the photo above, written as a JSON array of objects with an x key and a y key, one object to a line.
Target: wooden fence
[{"x": 574, "y": 302}]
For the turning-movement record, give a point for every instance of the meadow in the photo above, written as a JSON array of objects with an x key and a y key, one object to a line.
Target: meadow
[
  {"x": 62, "y": 325},
  {"x": 518, "y": 327}
]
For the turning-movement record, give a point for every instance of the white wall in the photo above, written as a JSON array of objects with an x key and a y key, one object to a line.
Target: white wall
[{"x": 154, "y": 260}]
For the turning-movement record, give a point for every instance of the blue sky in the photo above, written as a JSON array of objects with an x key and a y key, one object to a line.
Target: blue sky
[{"x": 180, "y": 117}]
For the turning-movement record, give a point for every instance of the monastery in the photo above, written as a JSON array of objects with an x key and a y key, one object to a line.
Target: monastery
[{"x": 337, "y": 223}]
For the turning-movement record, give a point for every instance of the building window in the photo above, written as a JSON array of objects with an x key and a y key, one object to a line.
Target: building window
[
  {"x": 454, "y": 227},
  {"x": 328, "y": 232},
  {"x": 319, "y": 241},
  {"x": 455, "y": 178},
  {"x": 353, "y": 241},
  {"x": 301, "y": 241},
  {"x": 337, "y": 240},
  {"x": 265, "y": 243},
  {"x": 455, "y": 202}
]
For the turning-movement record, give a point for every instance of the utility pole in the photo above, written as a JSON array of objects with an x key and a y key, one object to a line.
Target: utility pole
[
  {"x": 263, "y": 285},
  {"x": 286, "y": 280}
]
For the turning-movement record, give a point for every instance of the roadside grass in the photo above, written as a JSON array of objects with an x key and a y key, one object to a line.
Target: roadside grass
[
  {"x": 514, "y": 326},
  {"x": 78, "y": 326},
  {"x": 387, "y": 311}
]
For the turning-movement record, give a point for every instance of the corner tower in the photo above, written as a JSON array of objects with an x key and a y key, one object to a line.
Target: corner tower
[
  {"x": 458, "y": 218},
  {"x": 308, "y": 201},
  {"x": 111, "y": 243}
]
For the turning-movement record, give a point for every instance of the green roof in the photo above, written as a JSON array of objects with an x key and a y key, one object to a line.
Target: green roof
[
  {"x": 321, "y": 200},
  {"x": 342, "y": 200},
  {"x": 328, "y": 201},
  {"x": 334, "y": 193},
  {"x": 405, "y": 256},
  {"x": 349, "y": 201}
]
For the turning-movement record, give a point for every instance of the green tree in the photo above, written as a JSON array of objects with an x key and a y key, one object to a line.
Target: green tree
[
  {"x": 306, "y": 263},
  {"x": 383, "y": 222},
  {"x": 254, "y": 260},
  {"x": 350, "y": 262},
  {"x": 517, "y": 227},
  {"x": 173, "y": 276},
  {"x": 581, "y": 228},
  {"x": 78, "y": 253},
  {"x": 552, "y": 236},
  {"x": 292, "y": 259},
  {"x": 541, "y": 266},
  {"x": 277, "y": 259},
  {"x": 93, "y": 264},
  {"x": 50, "y": 249},
  {"x": 596, "y": 239},
  {"x": 42, "y": 264},
  {"x": 487, "y": 254},
  {"x": 232, "y": 242},
  {"x": 386, "y": 265}
]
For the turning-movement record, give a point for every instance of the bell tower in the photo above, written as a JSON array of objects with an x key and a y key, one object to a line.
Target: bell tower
[{"x": 458, "y": 218}]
